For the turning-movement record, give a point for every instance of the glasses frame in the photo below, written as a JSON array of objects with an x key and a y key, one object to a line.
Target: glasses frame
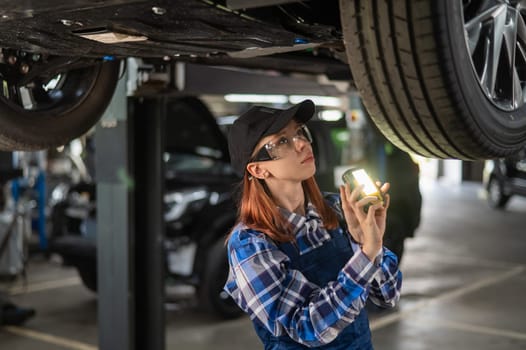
[{"x": 264, "y": 152}]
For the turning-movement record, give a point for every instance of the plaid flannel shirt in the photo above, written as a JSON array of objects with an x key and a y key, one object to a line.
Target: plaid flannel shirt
[{"x": 285, "y": 302}]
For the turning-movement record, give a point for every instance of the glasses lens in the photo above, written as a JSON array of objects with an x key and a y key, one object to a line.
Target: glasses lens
[
  {"x": 275, "y": 151},
  {"x": 304, "y": 134},
  {"x": 280, "y": 148},
  {"x": 284, "y": 145}
]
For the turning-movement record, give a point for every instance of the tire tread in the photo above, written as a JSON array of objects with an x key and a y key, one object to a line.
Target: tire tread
[{"x": 400, "y": 70}]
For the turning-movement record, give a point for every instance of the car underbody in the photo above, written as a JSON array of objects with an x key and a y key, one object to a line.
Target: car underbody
[
  {"x": 442, "y": 79},
  {"x": 195, "y": 31}
]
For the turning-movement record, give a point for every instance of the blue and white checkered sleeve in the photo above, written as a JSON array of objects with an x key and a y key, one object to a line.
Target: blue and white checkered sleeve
[
  {"x": 282, "y": 299},
  {"x": 385, "y": 288}
]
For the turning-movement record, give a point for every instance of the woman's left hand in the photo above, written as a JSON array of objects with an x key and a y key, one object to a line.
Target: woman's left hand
[{"x": 366, "y": 228}]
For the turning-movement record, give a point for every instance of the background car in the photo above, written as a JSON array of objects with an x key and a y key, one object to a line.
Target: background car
[
  {"x": 198, "y": 210},
  {"x": 443, "y": 79},
  {"x": 504, "y": 178}
]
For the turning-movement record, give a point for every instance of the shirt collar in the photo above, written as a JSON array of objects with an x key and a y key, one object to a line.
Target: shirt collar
[{"x": 308, "y": 230}]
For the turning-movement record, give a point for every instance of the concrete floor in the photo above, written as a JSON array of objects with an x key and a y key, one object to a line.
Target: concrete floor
[{"x": 464, "y": 286}]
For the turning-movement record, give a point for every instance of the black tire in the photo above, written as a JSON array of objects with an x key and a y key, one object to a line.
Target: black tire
[
  {"x": 411, "y": 64},
  {"x": 211, "y": 293},
  {"x": 57, "y": 114},
  {"x": 88, "y": 274},
  {"x": 496, "y": 197}
]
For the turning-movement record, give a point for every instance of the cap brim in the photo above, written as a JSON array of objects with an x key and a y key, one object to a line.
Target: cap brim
[{"x": 302, "y": 112}]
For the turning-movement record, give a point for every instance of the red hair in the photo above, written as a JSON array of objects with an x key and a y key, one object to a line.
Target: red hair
[{"x": 258, "y": 211}]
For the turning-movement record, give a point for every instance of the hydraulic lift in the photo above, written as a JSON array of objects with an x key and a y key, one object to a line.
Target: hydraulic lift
[{"x": 130, "y": 223}]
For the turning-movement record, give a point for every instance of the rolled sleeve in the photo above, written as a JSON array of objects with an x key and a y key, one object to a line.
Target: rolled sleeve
[
  {"x": 386, "y": 286},
  {"x": 361, "y": 270}
]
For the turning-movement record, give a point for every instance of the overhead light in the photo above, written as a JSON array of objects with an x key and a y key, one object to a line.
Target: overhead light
[
  {"x": 331, "y": 115},
  {"x": 256, "y": 98},
  {"x": 326, "y": 101}
]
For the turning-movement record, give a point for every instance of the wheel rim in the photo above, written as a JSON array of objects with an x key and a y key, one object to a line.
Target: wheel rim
[
  {"x": 48, "y": 91},
  {"x": 495, "y": 33}
]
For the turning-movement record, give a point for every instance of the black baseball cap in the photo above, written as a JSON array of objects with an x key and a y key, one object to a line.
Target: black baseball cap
[{"x": 258, "y": 122}]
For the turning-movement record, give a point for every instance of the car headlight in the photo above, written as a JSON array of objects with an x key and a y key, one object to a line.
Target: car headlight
[{"x": 179, "y": 202}]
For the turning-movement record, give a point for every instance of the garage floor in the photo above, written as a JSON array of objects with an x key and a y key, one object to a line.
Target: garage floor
[{"x": 464, "y": 285}]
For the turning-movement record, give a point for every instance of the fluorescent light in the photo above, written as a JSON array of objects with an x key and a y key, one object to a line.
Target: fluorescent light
[
  {"x": 326, "y": 101},
  {"x": 331, "y": 115},
  {"x": 256, "y": 98}
]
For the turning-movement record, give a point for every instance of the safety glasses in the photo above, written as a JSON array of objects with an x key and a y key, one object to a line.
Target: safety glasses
[{"x": 283, "y": 146}]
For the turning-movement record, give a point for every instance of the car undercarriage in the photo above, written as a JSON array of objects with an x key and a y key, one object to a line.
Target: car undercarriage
[{"x": 440, "y": 79}]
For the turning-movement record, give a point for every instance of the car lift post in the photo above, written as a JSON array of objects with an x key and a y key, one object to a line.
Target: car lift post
[{"x": 129, "y": 175}]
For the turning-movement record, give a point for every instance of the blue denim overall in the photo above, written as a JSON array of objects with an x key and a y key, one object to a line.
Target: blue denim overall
[{"x": 320, "y": 266}]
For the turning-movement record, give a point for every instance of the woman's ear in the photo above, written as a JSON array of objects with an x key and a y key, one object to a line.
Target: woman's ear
[{"x": 257, "y": 171}]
